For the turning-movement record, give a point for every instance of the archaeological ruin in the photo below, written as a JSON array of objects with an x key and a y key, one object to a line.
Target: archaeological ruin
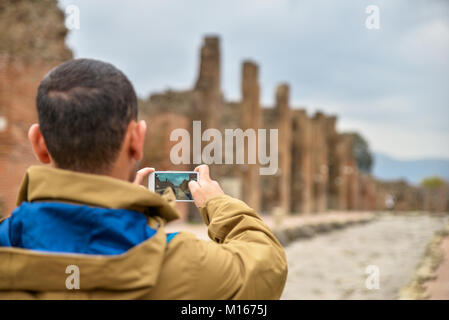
[{"x": 317, "y": 168}]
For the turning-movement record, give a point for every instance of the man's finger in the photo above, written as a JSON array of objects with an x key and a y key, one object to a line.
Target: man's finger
[
  {"x": 203, "y": 171},
  {"x": 195, "y": 190},
  {"x": 141, "y": 174}
]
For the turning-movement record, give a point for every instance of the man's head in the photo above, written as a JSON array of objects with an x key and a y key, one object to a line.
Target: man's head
[{"x": 87, "y": 113}]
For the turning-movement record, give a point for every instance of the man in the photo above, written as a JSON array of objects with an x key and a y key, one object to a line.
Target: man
[{"x": 82, "y": 230}]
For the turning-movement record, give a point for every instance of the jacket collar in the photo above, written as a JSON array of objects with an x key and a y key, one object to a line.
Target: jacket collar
[{"x": 49, "y": 184}]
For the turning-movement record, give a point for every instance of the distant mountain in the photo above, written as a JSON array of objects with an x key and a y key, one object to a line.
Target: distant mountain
[{"x": 388, "y": 168}]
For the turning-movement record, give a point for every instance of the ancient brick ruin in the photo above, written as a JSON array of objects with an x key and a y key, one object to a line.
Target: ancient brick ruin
[
  {"x": 317, "y": 169},
  {"x": 31, "y": 43}
]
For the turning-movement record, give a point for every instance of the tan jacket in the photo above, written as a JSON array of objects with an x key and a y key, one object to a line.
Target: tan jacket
[{"x": 244, "y": 260}]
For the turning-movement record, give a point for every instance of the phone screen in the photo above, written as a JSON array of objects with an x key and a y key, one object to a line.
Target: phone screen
[{"x": 177, "y": 181}]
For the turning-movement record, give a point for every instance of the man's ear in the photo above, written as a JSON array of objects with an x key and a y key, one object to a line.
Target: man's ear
[
  {"x": 137, "y": 140},
  {"x": 38, "y": 144}
]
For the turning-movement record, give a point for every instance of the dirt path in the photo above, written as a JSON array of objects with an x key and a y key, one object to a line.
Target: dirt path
[{"x": 332, "y": 266}]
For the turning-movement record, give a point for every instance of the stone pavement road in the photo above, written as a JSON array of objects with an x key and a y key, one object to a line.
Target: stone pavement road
[{"x": 333, "y": 266}]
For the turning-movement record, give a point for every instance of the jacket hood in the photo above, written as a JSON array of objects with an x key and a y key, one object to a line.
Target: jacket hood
[{"x": 112, "y": 230}]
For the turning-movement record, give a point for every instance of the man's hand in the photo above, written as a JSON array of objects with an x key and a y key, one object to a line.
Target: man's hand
[
  {"x": 142, "y": 174},
  {"x": 205, "y": 188}
]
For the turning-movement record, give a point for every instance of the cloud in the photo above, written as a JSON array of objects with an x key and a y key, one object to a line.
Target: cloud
[{"x": 427, "y": 44}]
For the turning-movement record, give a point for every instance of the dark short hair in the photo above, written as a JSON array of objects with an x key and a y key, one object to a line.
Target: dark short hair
[{"x": 84, "y": 108}]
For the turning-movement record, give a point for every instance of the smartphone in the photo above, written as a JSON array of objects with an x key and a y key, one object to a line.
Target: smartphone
[{"x": 158, "y": 181}]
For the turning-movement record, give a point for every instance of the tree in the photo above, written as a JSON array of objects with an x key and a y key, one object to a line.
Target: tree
[
  {"x": 432, "y": 182},
  {"x": 362, "y": 153}
]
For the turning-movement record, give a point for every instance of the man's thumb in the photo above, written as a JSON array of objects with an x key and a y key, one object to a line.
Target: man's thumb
[{"x": 194, "y": 187}]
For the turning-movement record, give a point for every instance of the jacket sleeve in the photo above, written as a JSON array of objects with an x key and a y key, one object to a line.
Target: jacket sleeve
[{"x": 244, "y": 260}]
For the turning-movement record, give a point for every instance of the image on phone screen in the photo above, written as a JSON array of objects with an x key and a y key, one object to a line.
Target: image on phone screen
[{"x": 178, "y": 181}]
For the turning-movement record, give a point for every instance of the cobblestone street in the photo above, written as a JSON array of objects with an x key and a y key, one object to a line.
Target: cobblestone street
[{"x": 332, "y": 266}]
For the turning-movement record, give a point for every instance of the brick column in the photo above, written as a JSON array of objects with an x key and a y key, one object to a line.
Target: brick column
[
  {"x": 285, "y": 132},
  {"x": 250, "y": 118},
  {"x": 301, "y": 190},
  {"x": 334, "y": 162},
  {"x": 319, "y": 162},
  {"x": 208, "y": 83}
]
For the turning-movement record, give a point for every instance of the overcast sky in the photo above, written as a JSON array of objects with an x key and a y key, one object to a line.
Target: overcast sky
[{"x": 390, "y": 84}]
